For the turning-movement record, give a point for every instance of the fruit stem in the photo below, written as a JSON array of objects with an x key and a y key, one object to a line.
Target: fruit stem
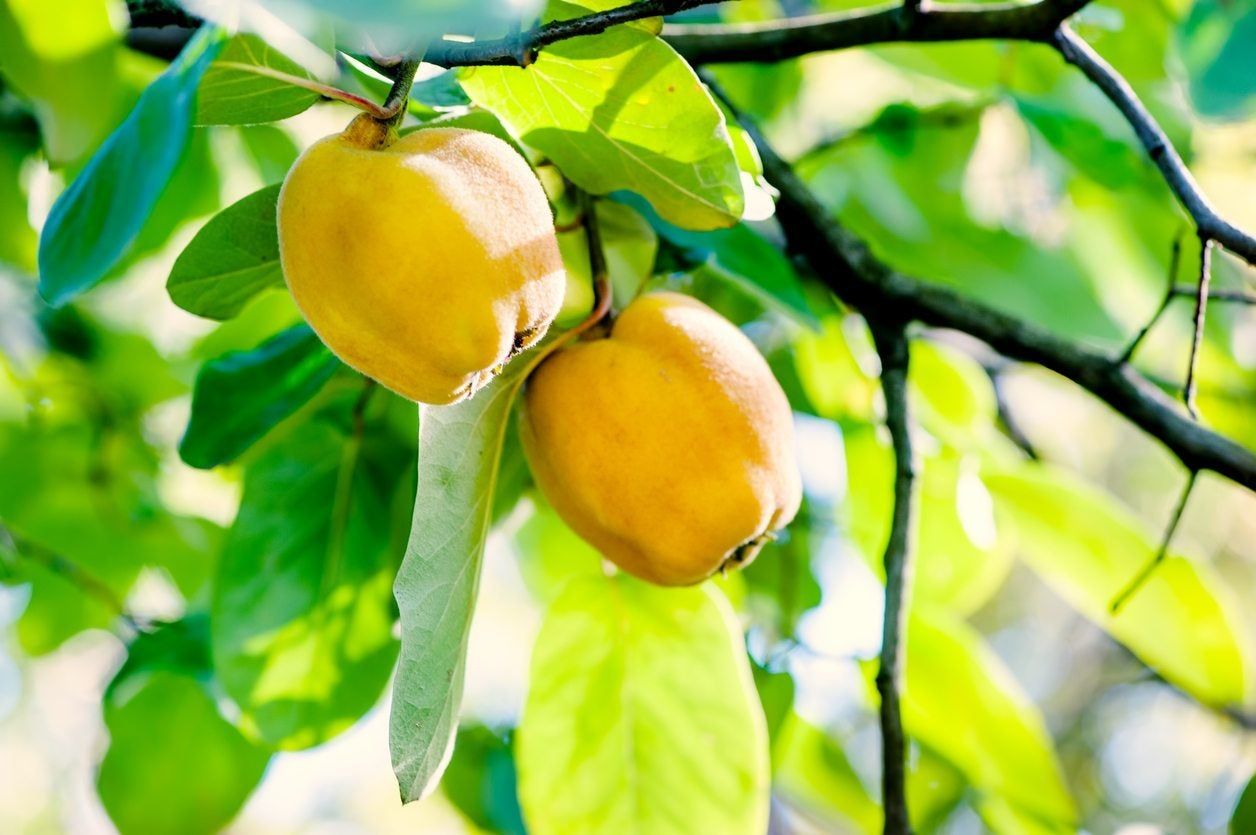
[
  {"x": 597, "y": 262},
  {"x": 395, "y": 105}
]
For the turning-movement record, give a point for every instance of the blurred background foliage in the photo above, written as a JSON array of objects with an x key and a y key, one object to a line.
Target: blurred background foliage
[{"x": 197, "y": 628}]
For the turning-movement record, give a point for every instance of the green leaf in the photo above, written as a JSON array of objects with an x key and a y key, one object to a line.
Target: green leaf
[
  {"x": 781, "y": 578},
  {"x": 833, "y": 369},
  {"x": 232, "y": 258},
  {"x": 302, "y": 616},
  {"x": 742, "y": 257},
  {"x": 629, "y": 245},
  {"x": 241, "y": 88},
  {"x": 954, "y": 396},
  {"x": 552, "y": 554},
  {"x": 621, "y": 111},
  {"x": 642, "y": 716},
  {"x": 241, "y": 396},
  {"x": 1244, "y": 818},
  {"x": 1182, "y": 622},
  {"x": 96, "y": 219},
  {"x": 481, "y": 781},
  {"x": 64, "y": 58},
  {"x": 460, "y": 454},
  {"x": 17, "y": 238},
  {"x": 272, "y": 150},
  {"x": 179, "y": 647},
  {"x": 961, "y": 701},
  {"x": 1216, "y": 40},
  {"x": 962, "y": 555},
  {"x": 813, "y": 772},
  {"x": 155, "y": 732}
]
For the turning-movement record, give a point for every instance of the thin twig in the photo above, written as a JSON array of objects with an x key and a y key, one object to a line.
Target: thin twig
[
  {"x": 1211, "y": 226},
  {"x": 1145, "y": 572},
  {"x": 1234, "y": 296},
  {"x": 1197, "y": 335},
  {"x": 1011, "y": 426},
  {"x": 892, "y": 346},
  {"x": 70, "y": 571},
  {"x": 1175, "y": 258},
  {"x": 520, "y": 50}
]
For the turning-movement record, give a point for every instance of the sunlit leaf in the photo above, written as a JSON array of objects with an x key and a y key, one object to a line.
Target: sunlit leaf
[
  {"x": 962, "y": 557},
  {"x": 302, "y": 615},
  {"x": 17, "y": 238},
  {"x": 552, "y": 554},
  {"x": 153, "y": 730},
  {"x": 96, "y": 219},
  {"x": 244, "y": 85},
  {"x": 64, "y": 58},
  {"x": 963, "y": 703},
  {"x": 1182, "y": 622},
  {"x": 621, "y": 111},
  {"x": 660, "y": 678},
  {"x": 233, "y": 258}
]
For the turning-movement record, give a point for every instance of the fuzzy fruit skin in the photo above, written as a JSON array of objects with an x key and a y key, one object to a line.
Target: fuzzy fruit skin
[
  {"x": 667, "y": 445},
  {"x": 426, "y": 263}
]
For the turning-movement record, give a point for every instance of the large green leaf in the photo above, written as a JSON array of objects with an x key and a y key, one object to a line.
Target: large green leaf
[
  {"x": 461, "y": 450},
  {"x": 642, "y": 716},
  {"x": 621, "y": 111},
  {"x": 961, "y": 702},
  {"x": 65, "y": 59},
  {"x": 96, "y": 219},
  {"x": 232, "y": 258},
  {"x": 241, "y": 396},
  {"x": 302, "y": 616},
  {"x": 241, "y": 86},
  {"x": 1182, "y": 622},
  {"x": 158, "y": 726}
]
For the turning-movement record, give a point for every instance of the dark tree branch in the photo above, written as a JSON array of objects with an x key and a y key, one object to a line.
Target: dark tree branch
[
  {"x": 890, "y": 337},
  {"x": 520, "y": 49},
  {"x": 1197, "y": 335},
  {"x": 1144, "y": 574},
  {"x": 1211, "y": 226},
  {"x": 846, "y": 265},
  {"x": 777, "y": 40}
]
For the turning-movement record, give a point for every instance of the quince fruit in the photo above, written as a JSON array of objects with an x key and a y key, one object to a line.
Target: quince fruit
[
  {"x": 424, "y": 262},
  {"x": 668, "y": 444}
]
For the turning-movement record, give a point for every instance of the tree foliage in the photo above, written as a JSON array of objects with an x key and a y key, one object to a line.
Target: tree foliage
[{"x": 913, "y": 210}]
